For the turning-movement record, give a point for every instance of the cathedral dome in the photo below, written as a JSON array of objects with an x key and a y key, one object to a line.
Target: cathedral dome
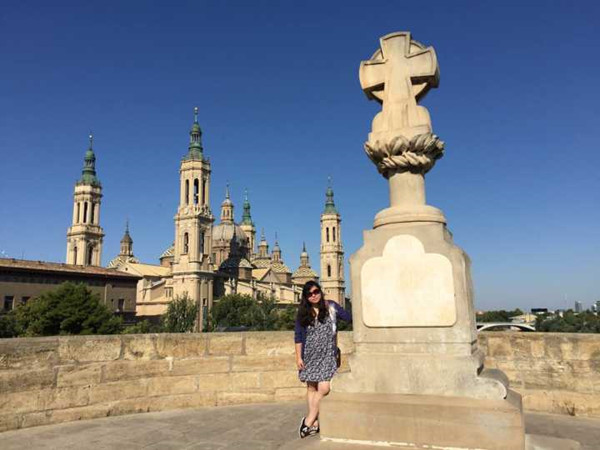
[
  {"x": 168, "y": 252},
  {"x": 304, "y": 272},
  {"x": 226, "y": 232}
]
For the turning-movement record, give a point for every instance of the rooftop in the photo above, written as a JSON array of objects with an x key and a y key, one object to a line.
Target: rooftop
[{"x": 26, "y": 264}]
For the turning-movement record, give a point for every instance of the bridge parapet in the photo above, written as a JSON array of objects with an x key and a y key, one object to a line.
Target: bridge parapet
[{"x": 60, "y": 379}]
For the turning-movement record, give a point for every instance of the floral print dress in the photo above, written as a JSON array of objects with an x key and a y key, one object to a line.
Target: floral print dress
[{"x": 319, "y": 352}]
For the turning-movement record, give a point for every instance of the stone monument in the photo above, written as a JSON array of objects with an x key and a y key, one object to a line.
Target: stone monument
[{"x": 417, "y": 375}]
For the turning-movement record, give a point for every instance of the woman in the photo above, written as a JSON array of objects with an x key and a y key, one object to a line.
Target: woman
[{"x": 316, "y": 349}]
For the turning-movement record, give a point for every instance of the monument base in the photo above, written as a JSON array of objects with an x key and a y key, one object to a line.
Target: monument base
[{"x": 422, "y": 421}]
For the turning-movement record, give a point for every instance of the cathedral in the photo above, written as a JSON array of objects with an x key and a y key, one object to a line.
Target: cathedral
[{"x": 206, "y": 260}]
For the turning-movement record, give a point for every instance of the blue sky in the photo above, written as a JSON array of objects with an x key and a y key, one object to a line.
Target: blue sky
[{"x": 281, "y": 110}]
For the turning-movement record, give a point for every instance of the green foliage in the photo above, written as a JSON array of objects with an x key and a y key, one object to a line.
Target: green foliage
[
  {"x": 143, "y": 327},
  {"x": 68, "y": 309},
  {"x": 8, "y": 325},
  {"x": 181, "y": 315},
  {"x": 343, "y": 325},
  {"x": 498, "y": 316},
  {"x": 286, "y": 317},
  {"x": 237, "y": 310},
  {"x": 570, "y": 322}
]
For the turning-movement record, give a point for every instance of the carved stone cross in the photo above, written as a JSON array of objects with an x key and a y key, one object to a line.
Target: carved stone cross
[{"x": 399, "y": 74}]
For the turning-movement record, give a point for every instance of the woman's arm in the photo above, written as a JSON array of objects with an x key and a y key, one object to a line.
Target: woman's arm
[
  {"x": 342, "y": 313},
  {"x": 299, "y": 360},
  {"x": 299, "y": 338}
]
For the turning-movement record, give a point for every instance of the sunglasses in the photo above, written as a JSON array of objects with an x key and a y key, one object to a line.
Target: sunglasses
[{"x": 313, "y": 292}]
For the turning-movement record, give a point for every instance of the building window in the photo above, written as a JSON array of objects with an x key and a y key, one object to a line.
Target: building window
[
  {"x": 75, "y": 255},
  {"x": 92, "y": 210},
  {"x": 196, "y": 190},
  {"x": 169, "y": 292},
  {"x": 24, "y": 300},
  {"x": 201, "y": 243},
  {"x": 121, "y": 304},
  {"x": 90, "y": 254},
  {"x": 187, "y": 192},
  {"x": 327, "y": 234},
  {"x": 8, "y": 302},
  {"x": 328, "y": 270},
  {"x": 78, "y": 219},
  {"x": 333, "y": 234},
  {"x": 186, "y": 242},
  {"x": 85, "y": 208},
  {"x": 203, "y": 191}
]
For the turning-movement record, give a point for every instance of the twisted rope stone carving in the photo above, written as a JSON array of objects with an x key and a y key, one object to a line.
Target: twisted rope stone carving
[{"x": 417, "y": 155}]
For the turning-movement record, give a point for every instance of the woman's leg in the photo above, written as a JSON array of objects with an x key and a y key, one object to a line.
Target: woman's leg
[
  {"x": 322, "y": 389},
  {"x": 311, "y": 391}
]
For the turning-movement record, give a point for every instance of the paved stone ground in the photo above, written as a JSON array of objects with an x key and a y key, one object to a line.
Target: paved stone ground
[{"x": 236, "y": 427}]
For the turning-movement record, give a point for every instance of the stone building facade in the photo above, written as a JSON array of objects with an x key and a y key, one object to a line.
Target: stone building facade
[
  {"x": 23, "y": 280},
  {"x": 208, "y": 260}
]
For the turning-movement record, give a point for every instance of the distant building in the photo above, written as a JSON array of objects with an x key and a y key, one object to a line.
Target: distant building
[
  {"x": 22, "y": 280},
  {"x": 596, "y": 306},
  {"x": 527, "y": 318},
  {"x": 578, "y": 307},
  {"x": 539, "y": 310}
]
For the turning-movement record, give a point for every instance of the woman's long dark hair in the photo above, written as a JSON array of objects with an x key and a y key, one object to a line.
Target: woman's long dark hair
[{"x": 305, "y": 312}]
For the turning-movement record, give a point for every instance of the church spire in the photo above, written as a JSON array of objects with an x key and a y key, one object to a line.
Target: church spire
[
  {"x": 276, "y": 254},
  {"x": 263, "y": 247},
  {"x": 195, "y": 147},
  {"x": 304, "y": 256},
  {"x": 227, "y": 207},
  {"x": 88, "y": 174},
  {"x": 329, "y": 204},
  {"x": 126, "y": 242},
  {"x": 246, "y": 218}
]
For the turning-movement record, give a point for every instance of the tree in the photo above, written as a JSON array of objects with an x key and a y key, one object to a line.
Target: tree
[
  {"x": 69, "y": 309},
  {"x": 233, "y": 310},
  {"x": 243, "y": 311},
  {"x": 143, "y": 327},
  {"x": 8, "y": 325},
  {"x": 570, "y": 322},
  {"x": 181, "y": 315}
]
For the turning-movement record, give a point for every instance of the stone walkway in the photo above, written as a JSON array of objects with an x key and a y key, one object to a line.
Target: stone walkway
[{"x": 266, "y": 426}]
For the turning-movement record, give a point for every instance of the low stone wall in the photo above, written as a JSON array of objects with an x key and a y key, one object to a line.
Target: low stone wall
[
  {"x": 59, "y": 379},
  {"x": 554, "y": 372}
]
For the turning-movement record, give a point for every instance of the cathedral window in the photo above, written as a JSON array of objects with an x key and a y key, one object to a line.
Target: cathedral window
[
  {"x": 203, "y": 191},
  {"x": 90, "y": 254},
  {"x": 201, "y": 243},
  {"x": 327, "y": 234},
  {"x": 75, "y": 255},
  {"x": 196, "y": 190},
  {"x": 186, "y": 242},
  {"x": 333, "y": 234},
  {"x": 78, "y": 212},
  {"x": 328, "y": 270},
  {"x": 85, "y": 211},
  {"x": 92, "y": 209},
  {"x": 187, "y": 192}
]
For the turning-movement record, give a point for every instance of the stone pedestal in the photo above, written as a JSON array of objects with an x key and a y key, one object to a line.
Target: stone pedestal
[
  {"x": 417, "y": 375},
  {"x": 424, "y": 421}
]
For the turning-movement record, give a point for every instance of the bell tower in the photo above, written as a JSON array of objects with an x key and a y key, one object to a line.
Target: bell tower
[
  {"x": 85, "y": 235},
  {"x": 332, "y": 251},
  {"x": 248, "y": 226},
  {"x": 192, "y": 267}
]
